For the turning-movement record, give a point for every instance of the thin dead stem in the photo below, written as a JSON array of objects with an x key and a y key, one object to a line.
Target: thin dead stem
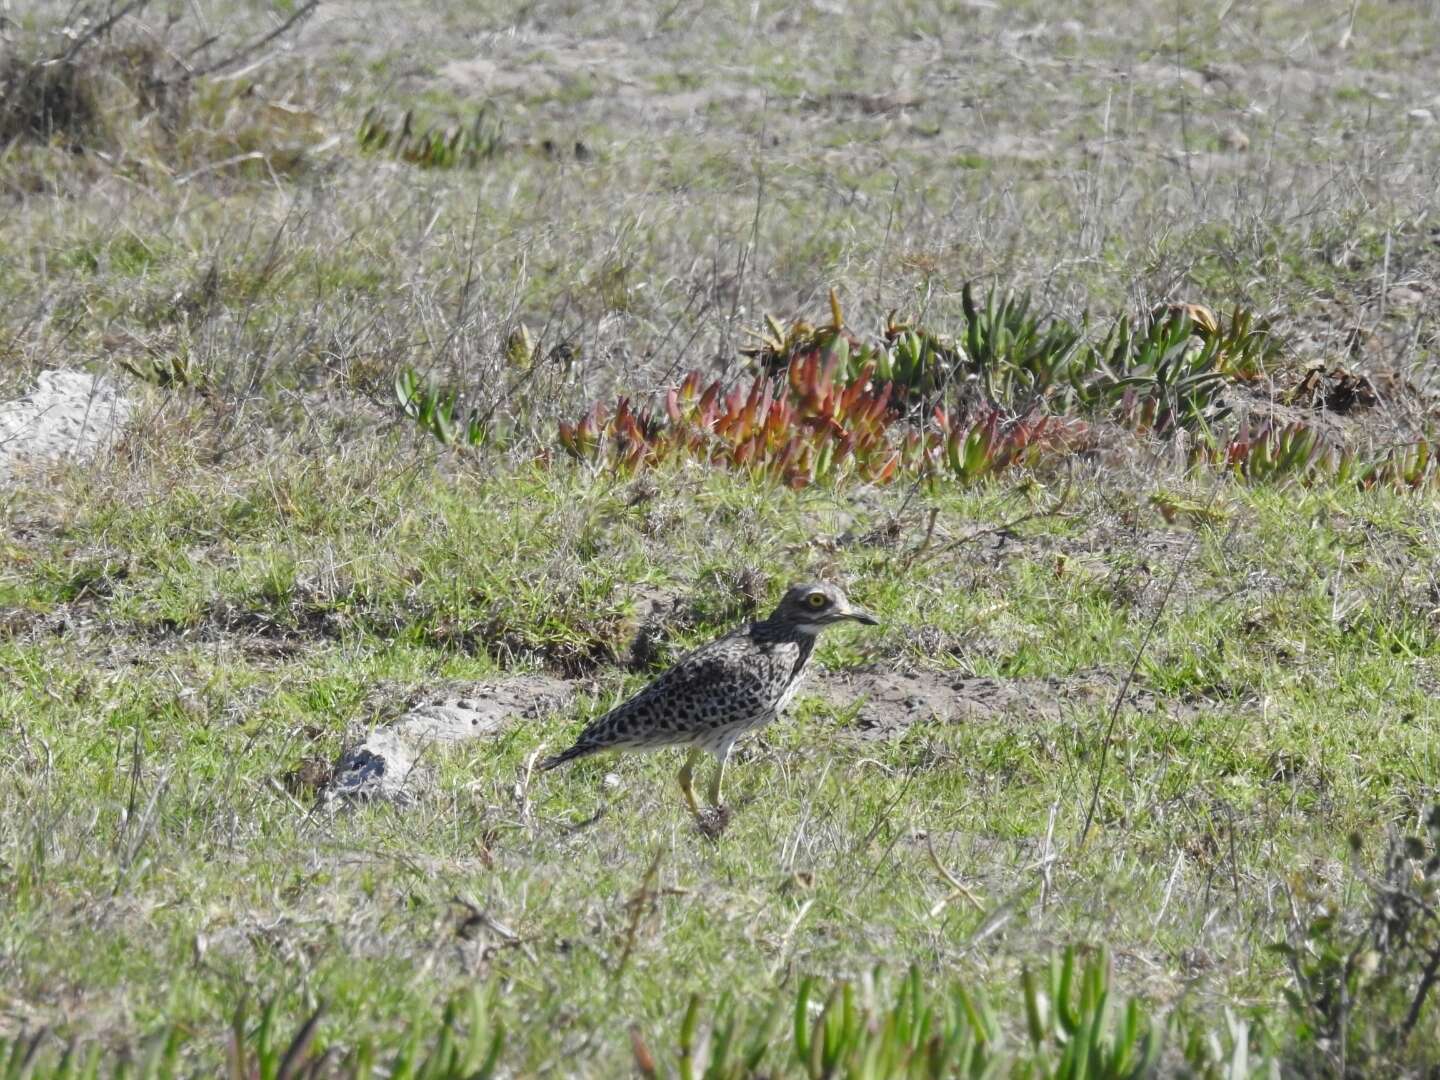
[{"x": 958, "y": 889}]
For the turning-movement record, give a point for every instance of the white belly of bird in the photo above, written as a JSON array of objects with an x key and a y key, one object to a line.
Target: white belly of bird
[{"x": 788, "y": 694}]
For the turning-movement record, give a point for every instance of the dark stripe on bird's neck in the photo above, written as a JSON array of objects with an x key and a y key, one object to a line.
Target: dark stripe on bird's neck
[
  {"x": 778, "y": 632},
  {"x": 807, "y": 644}
]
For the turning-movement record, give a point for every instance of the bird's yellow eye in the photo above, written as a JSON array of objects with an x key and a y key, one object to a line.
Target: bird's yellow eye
[{"x": 816, "y": 600}]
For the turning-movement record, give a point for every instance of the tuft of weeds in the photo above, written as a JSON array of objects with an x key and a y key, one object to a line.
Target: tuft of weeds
[
  {"x": 463, "y": 1044},
  {"x": 917, "y": 363},
  {"x": 436, "y": 144},
  {"x": 1301, "y": 453},
  {"x": 1067, "y": 1023},
  {"x": 1362, "y": 979},
  {"x": 845, "y": 409},
  {"x": 1170, "y": 375},
  {"x": 1409, "y": 467},
  {"x": 148, "y": 100},
  {"x": 797, "y": 432},
  {"x": 809, "y": 430},
  {"x": 994, "y": 442},
  {"x": 1017, "y": 356},
  {"x": 1165, "y": 371},
  {"x": 174, "y": 372},
  {"x": 437, "y": 411}
]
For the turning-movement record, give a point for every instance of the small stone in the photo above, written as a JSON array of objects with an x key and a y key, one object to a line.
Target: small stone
[{"x": 1420, "y": 116}]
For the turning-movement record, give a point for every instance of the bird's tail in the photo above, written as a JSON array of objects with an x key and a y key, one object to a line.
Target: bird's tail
[{"x": 579, "y": 750}]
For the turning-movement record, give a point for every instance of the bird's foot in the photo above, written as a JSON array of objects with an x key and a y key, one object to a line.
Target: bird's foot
[{"x": 712, "y": 821}]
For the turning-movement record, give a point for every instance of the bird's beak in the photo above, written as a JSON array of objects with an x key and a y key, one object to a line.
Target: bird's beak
[{"x": 862, "y": 616}]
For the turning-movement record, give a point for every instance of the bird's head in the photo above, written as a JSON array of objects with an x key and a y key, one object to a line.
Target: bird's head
[{"x": 813, "y": 606}]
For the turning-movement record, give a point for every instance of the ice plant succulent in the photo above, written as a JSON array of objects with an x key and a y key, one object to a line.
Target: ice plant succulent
[
  {"x": 1294, "y": 451},
  {"x": 1014, "y": 389},
  {"x": 798, "y": 430},
  {"x": 993, "y": 442}
]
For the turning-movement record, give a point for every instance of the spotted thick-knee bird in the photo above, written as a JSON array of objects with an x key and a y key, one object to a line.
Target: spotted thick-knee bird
[{"x": 714, "y": 695}]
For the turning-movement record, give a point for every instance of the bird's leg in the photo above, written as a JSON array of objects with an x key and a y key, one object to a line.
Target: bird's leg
[
  {"x": 687, "y": 780},
  {"x": 719, "y": 778}
]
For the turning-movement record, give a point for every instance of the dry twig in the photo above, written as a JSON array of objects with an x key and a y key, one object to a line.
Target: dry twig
[{"x": 957, "y": 887}]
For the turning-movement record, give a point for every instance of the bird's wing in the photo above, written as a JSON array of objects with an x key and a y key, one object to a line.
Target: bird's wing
[{"x": 714, "y": 665}]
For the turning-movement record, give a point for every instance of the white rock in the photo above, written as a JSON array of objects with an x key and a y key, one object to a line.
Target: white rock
[{"x": 66, "y": 414}]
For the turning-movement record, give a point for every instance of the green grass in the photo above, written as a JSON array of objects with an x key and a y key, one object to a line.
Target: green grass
[{"x": 148, "y": 743}]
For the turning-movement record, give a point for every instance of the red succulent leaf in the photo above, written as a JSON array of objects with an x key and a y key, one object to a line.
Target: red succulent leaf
[
  {"x": 752, "y": 400},
  {"x": 788, "y": 453},
  {"x": 882, "y": 402},
  {"x": 795, "y": 375},
  {"x": 804, "y": 375},
  {"x": 708, "y": 400},
  {"x": 826, "y": 425},
  {"x": 827, "y": 374}
]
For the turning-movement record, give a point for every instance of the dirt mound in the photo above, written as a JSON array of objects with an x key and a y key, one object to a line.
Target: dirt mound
[{"x": 388, "y": 764}]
